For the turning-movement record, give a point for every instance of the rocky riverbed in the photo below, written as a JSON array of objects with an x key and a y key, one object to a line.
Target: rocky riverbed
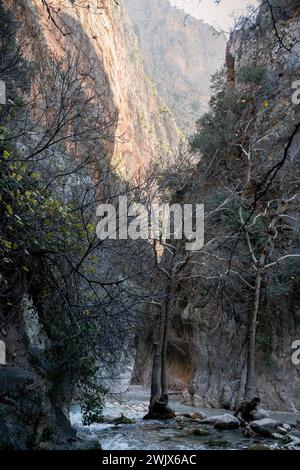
[{"x": 192, "y": 429}]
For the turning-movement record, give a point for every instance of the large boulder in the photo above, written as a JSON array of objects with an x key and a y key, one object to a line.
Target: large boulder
[
  {"x": 259, "y": 414},
  {"x": 265, "y": 427},
  {"x": 212, "y": 419},
  {"x": 227, "y": 422}
]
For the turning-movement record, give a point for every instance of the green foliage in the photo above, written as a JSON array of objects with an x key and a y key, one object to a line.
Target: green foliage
[
  {"x": 92, "y": 406},
  {"x": 216, "y": 129},
  {"x": 252, "y": 74},
  {"x": 220, "y": 130},
  {"x": 32, "y": 219},
  {"x": 37, "y": 233},
  {"x": 48, "y": 247}
]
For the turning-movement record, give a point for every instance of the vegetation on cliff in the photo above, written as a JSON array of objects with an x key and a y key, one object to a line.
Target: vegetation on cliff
[
  {"x": 247, "y": 176},
  {"x": 71, "y": 304},
  {"x": 54, "y": 171}
]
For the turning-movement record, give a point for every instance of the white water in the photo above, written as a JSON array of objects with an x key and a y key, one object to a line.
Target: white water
[{"x": 156, "y": 435}]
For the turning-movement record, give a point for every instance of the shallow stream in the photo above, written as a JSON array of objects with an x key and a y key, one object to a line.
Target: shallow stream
[{"x": 178, "y": 434}]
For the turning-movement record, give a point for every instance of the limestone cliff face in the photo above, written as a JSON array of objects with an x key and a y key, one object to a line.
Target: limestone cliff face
[
  {"x": 103, "y": 34},
  {"x": 180, "y": 54},
  {"x": 207, "y": 347},
  {"x": 34, "y": 406}
]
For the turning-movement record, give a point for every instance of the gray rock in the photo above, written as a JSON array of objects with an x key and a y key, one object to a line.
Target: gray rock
[
  {"x": 212, "y": 419},
  {"x": 295, "y": 433},
  {"x": 259, "y": 414},
  {"x": 286, "y": 427},
  {"x": 227, "y": 422},
  {"x": 265, "y": 427},
  {"x": 282, "y": 431}
]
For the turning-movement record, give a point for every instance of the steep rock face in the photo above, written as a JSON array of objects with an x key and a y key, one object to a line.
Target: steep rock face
[
  {"x": 180, "y": 54},
  {"x": 34, "y": 411},
  {"x": 207, "y": 348},
  {"x": 103, "y": 35},
  {"x": 34, "y": 405}
]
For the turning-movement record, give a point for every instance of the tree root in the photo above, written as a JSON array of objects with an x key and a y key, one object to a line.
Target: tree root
[{"x": 159, "y": 411}]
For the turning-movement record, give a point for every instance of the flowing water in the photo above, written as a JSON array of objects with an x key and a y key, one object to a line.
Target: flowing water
[{"x": 178, "y": 434}]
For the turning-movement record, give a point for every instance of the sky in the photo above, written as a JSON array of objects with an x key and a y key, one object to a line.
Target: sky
[{"x": 221, "y": 16}]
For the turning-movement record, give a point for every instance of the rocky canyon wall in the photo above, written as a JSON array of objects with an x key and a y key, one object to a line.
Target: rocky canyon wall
[
  {"x": 99, "y": 35},
  {"x": 208, "y": 343},
  {"x": 180, "y": 55},
  {"x": 102, "y": 33}
]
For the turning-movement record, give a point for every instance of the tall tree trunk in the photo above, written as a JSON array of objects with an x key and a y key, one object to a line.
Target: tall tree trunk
[
  {"x": 156, "y": 385},
  {"x": 156, "y": 375},
  {"x": 250, "y": 388},
  {"x": 164, "y": 378},
  {"x": 158, "y": 408}
]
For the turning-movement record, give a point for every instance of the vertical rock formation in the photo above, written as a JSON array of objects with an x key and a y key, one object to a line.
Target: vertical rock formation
[
  {"x": 34, "y": 403},
  {"x": 103, "y": 34},
  {"x": 208, "y": 343},
  {"x": 180, "y": 54}
]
